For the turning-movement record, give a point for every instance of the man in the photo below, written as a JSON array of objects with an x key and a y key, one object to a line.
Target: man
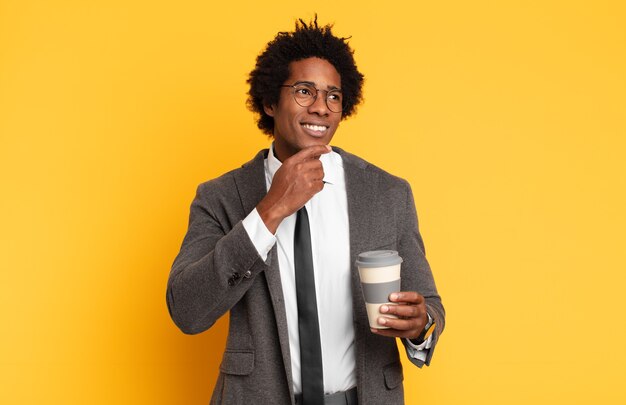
[{"x": 275, "y": 243}]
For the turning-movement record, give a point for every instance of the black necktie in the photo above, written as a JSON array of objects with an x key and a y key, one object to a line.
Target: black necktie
[{"x": 308, "y": 324}]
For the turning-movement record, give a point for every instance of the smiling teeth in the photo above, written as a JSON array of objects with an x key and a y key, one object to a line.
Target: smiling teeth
[{"x": 315, "y": 127}]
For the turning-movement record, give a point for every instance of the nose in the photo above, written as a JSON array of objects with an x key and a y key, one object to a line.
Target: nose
[{"x": 319, "y": 105}]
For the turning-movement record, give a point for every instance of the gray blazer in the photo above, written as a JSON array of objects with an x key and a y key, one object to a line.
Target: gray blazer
[{"x": 218, "y": 270}]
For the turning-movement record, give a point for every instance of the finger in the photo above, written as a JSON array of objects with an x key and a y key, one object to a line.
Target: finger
[
  {"x": 318, "y": 173},
  {"x": 404, "y": 311},
  {"x": 411, "y": 297},
  {"x": 307, "y": 170},
  {"x": 311, "y": 164},
  {"x": 394, "y": 333},
  {"x": 312, "y": 169},
  {"x": 399, "y": 324},
  {"x": 311, "y": 152}
]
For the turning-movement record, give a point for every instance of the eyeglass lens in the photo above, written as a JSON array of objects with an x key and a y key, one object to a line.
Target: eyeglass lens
[{"x": 305, "y": 96}]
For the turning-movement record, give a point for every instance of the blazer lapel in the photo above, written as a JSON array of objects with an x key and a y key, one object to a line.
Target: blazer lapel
[{"x": 250, "y": 183}]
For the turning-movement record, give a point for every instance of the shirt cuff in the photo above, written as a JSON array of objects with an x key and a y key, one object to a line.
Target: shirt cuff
[
  {"x": 419, "y": 351},
  {"x": 261, "y": 237}
]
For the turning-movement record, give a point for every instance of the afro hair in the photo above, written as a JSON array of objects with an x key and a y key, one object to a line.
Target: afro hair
[{"x": 307, "y": 41}]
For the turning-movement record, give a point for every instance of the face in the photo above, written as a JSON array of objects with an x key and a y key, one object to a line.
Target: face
[{"x": 297, "y": 127}]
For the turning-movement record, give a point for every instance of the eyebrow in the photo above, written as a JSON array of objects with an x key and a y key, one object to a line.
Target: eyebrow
[{"x": 330, "y": 88}]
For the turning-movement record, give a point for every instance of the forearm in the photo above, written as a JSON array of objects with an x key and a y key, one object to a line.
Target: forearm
[
  {"x": 417, "y": 272},
  {"x": 200, "y": 290}
]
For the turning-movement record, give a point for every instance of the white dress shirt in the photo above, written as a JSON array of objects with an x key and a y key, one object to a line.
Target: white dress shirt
[{"x": 330, "y": 243}]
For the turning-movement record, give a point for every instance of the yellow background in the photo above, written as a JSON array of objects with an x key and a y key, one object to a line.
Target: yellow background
[{"x": 507, "y": 117}]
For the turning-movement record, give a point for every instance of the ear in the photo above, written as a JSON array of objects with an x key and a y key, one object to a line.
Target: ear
[{"x": 269, "y": 110}]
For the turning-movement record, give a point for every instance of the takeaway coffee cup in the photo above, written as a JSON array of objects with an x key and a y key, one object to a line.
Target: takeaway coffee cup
[{"x": 380, "y": 276}]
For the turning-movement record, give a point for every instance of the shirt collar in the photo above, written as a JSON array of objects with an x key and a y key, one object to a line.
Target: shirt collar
[{"x": 331, "y": 163}]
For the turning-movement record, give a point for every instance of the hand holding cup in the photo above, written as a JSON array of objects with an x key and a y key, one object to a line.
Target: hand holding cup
[{"x": 409, "y": 309}]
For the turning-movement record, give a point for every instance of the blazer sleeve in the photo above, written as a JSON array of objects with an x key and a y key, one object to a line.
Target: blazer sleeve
[
  {"x": 416, "y": 270},
  {"x": 216, "y": 264}
]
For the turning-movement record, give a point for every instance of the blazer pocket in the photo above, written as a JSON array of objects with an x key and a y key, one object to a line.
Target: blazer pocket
[
  {"x": 237, "y": 362},
  {"x": 393, "y": 375}
]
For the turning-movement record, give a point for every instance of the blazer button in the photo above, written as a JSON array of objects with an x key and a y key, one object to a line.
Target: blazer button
[{"x": 247, "y": 274}]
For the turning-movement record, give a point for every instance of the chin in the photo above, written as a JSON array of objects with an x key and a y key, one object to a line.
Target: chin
[{"x": 315, "y": 143}]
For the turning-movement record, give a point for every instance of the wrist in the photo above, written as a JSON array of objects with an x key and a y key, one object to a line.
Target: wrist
[
  {"x": 429, "y": 328},
  {"x": 270, "y": 216}
]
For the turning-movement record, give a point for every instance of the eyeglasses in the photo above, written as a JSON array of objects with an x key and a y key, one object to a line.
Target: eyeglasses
[{"x": 306, "y": 94}]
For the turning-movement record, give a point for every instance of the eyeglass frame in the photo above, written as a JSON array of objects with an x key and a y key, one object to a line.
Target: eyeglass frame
[{"x": 317, "y": 91}]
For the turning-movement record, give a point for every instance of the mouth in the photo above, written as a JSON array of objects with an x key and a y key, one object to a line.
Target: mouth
[{"x": 315, "y": 129}]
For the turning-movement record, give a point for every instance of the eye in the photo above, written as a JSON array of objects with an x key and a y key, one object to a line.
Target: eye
[
  {"x": 303, "y": 91},
  {"x": 334, "y": 96}
]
